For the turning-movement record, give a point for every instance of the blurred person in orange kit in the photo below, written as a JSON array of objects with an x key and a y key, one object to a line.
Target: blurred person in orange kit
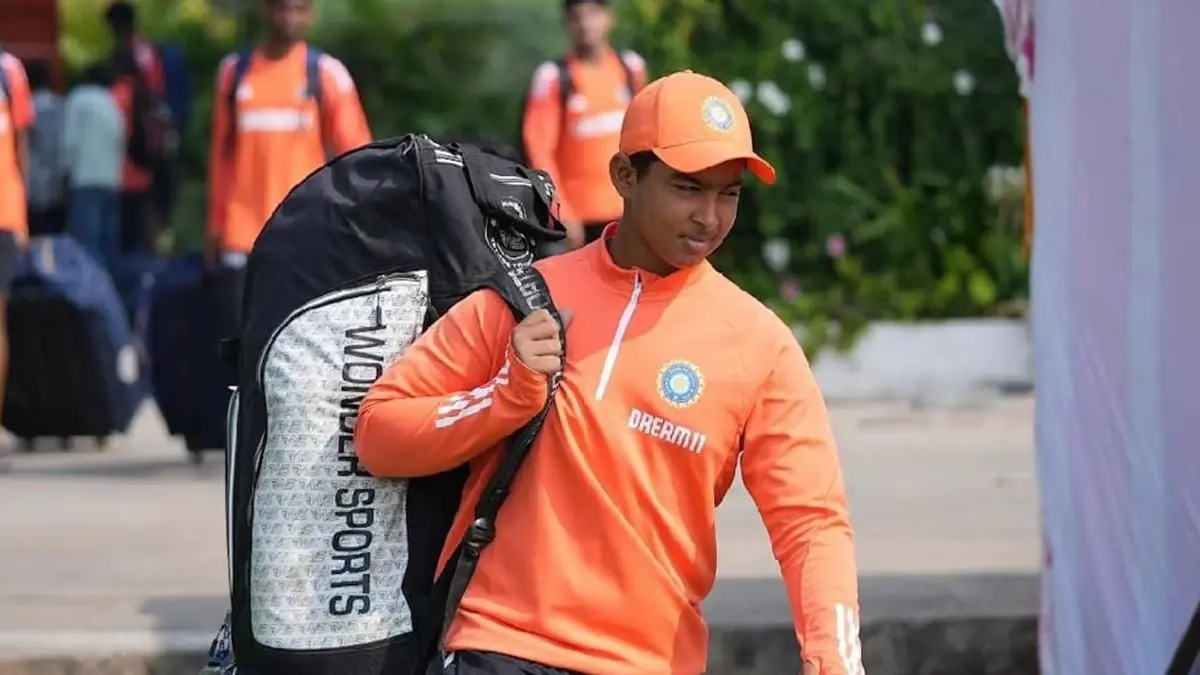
[
  {"x": 16, "y": 117},
  {"x": 573, "y": 116},
  {"x": 281, "y": 109}
]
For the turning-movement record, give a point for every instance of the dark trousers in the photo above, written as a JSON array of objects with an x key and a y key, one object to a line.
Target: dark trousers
[
  {"x": 137, "y": 222},
  {"x": 94, "y": 218},
  {"x": 491, "y": 663}
]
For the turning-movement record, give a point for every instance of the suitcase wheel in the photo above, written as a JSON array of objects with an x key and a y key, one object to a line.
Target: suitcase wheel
[
  {"x": 102, "y": 443},
  {"x": 196, "y": 457},
  {"x": 27, "y": 444},
  {"x": 64, "y": 442}
]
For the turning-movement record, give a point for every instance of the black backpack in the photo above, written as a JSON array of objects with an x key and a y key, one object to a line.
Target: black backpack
[
  {"x": 153, "y": 139},
  {"x": 332, "y": 571},
  {"x": 566, "y": 87}
]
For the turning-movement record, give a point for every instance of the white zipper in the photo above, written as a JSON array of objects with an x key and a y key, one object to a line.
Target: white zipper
[{"x": 626, "y": 316}]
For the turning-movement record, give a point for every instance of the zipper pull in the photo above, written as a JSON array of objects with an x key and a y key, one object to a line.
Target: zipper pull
[{"x": 379, "y": 284}]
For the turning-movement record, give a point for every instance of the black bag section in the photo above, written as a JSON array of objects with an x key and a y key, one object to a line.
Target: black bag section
[
  {"x": 189, "y": 307},
  {"x": 332, "y": 571}
]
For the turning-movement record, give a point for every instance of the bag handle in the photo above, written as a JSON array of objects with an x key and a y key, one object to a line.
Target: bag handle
[
  {"x": 532, "y": 294},
  {"x": 483, "y": 187}
]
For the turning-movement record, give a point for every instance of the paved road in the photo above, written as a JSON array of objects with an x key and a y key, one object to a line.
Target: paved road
[{"x": 125, "y": 548}]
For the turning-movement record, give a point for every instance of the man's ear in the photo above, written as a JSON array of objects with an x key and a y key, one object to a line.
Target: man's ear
[{"x": 622, "y": 175}]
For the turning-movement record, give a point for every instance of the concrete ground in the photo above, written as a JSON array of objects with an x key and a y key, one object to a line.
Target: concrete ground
[{"x": 122, "y": 552}]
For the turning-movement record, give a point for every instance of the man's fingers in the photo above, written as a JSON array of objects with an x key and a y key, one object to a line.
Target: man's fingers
[
  {"x": 541, "y": 330},
  {"x": 544, "y": 347},
  {"x": 545, "y": 364}
]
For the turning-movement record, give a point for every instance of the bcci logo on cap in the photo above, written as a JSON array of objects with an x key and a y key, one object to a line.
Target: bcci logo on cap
[
  {"x": 680, "y": 383},
  {"x": 717, "y": 115}
]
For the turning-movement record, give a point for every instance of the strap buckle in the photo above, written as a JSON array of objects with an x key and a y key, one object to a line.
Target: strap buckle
[{"x": 479, "y": 535}]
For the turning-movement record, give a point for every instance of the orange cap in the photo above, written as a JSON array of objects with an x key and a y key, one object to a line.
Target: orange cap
[{"x": 692, "y": 123}]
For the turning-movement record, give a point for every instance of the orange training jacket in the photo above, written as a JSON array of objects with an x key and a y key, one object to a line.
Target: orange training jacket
[
  {"x": 16, "y": 116},
  {"x": 607, "y": 544}
]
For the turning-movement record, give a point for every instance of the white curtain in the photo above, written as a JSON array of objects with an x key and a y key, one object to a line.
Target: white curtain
[{"x": 1115, "y": 117}]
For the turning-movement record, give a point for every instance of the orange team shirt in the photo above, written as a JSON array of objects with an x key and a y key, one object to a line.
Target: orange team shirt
[
  {"x": 281, "y": 138},
  {"x": 575, "y": 150},
  {"x": 16, "y": 114},
  {"x": 607, "y": 543},
  {"x": 135, "y": 178}
]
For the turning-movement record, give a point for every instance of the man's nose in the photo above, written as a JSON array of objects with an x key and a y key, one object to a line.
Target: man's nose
[{"x": 706, "y": 212}]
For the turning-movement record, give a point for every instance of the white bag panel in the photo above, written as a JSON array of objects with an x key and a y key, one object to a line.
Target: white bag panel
[{"x": 330, "y": 544}]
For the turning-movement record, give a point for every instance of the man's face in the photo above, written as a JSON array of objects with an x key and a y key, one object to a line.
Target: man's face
[
  {"x": 289, "y": 19},
  {"x": 681, "y": 217},
  {"x": 588, "y": 24}
]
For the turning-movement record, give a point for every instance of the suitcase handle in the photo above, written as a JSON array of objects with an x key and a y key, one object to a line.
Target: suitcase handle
[{"x": 43, "y": 252}]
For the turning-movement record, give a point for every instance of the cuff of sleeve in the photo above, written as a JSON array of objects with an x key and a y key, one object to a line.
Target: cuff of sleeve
[{"x": 527, "y": 386}]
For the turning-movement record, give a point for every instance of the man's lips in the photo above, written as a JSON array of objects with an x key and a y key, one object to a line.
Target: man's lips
[{"x": 698, "y": 244}]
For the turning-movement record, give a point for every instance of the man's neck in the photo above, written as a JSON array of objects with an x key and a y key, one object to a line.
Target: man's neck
[
  {"x": 277, "y": 49},
  {"x": 628, "y": 253},
  {"x": 589, "y": 54}
]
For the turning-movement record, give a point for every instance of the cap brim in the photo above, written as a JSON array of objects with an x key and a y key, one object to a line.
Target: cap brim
[{"x": 704, "y": 155}]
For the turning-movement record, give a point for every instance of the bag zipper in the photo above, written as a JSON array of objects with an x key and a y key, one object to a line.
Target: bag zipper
[{"x": 376, "y": 286}]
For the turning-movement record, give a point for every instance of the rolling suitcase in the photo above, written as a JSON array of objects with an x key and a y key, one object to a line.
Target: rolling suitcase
[
  {"x": 190, "y": 310},
  {"x": 75, "y": 367}
]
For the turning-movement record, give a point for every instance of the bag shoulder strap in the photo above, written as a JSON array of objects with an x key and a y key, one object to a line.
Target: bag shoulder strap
[
  {"x": 482, "y": 530},
  {"x": 630, "y": 78},
  {"x": 312, "y": 74},
  {"x": 241, "y": 65},
  {"x": 314, "y": 86},
  {"x": 565, "y": 84}
]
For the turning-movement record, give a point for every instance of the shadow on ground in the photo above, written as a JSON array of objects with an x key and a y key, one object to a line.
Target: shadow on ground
[{"x": 981, "y": 624}]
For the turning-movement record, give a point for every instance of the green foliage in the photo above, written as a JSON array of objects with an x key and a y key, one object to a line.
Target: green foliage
[
  {"x": 884, "y": 205},
  {"x": 882, "y": 201}
]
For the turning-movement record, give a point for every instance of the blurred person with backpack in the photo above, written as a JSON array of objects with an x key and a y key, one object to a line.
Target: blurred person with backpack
[
  {"x": 16, "y": 117},
  {"x": 44, "y": 179},
  {"x": 572, "y": 118},
  {"x": 93, "y": 147},
  {"x": 152, "y": 139},
  {"x": 281, "y": 109}
]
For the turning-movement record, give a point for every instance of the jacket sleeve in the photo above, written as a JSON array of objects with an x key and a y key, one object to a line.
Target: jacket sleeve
[
  {"x": 458, "y": 391},
  {"x": 541, "y": 127},
  {"x": 344, "y": 125},
  {"x": 791, "y": 470}
]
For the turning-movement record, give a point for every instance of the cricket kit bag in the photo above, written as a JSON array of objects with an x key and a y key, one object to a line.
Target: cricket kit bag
[{"x": 333, "y": 571}]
